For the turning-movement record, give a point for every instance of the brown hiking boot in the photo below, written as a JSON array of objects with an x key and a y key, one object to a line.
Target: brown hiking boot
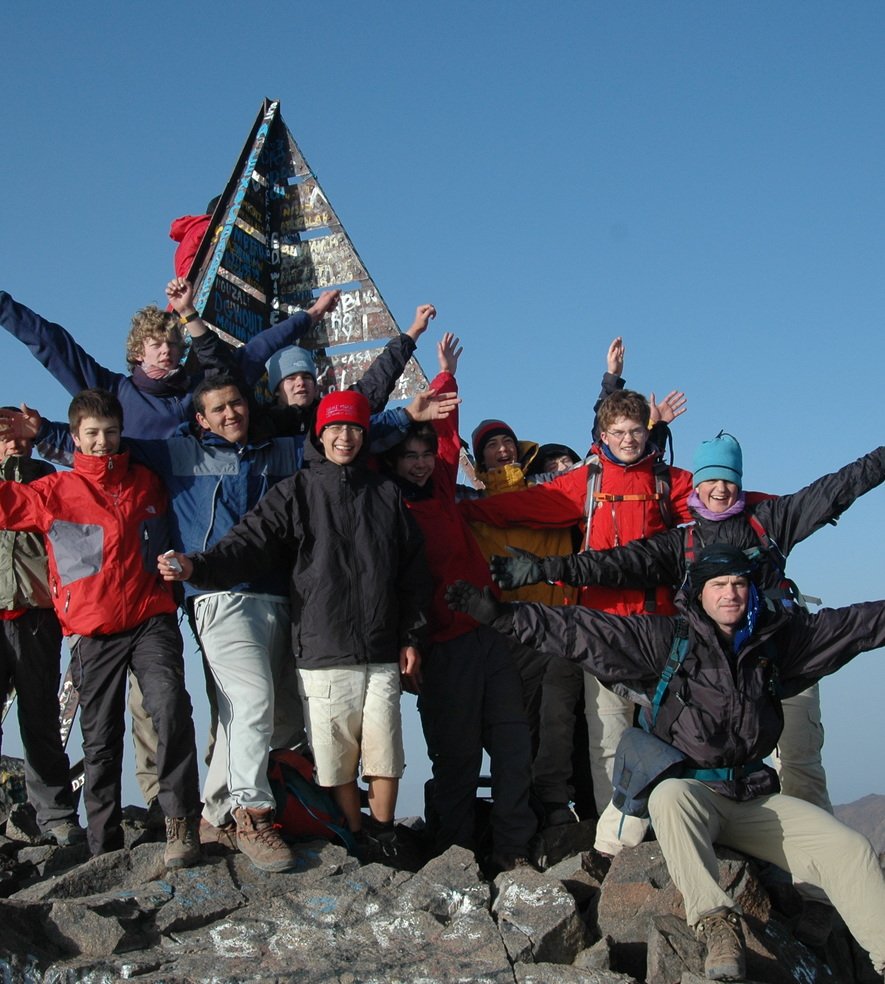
[
  {"x": 224, "y": 836},
  {"x": 721, "y": 931},
  {"x": 182, "y": 842},
  {"x": 260, "y": 841}
]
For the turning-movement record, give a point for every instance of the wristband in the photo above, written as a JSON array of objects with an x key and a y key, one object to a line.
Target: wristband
[{"x": 188, "y": 318}]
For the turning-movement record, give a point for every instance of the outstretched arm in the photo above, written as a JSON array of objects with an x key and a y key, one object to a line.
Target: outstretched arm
[
  {"x": 612, "y": 648},
  {"x": 658, "y": 560},
  {"x": 792, "y": 518},
  {"x": 242, "y": 553},
  {"x": 52, "y": 346}
]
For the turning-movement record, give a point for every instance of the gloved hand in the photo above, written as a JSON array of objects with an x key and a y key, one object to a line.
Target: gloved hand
[
  {"x": 516, "y": 571},
  {"x": 462, "y": 596}
]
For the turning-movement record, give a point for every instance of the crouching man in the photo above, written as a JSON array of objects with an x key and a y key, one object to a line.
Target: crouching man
[{"x": 722, "y": 712}]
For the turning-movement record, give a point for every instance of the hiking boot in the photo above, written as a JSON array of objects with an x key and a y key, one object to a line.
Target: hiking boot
[
  {"x": 815, "y": 923},
  {"x": 499, "y": 863},
  {"x": 557, "y": 815},
  {"x": 260, "y": 841},
  {"x": 378, "y": 842},
  {"x": 67, "y": 833},
  {"x": 596, "y": 864},
  {"x": 225, "y": 835},
  {"x": 720, "y": 930},
  {"x": 182, "y": 842}
]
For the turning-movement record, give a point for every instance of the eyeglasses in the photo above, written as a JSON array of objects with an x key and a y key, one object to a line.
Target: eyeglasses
[
  {"x": 336, "y": 429},
  {"x": 619, "y": 436}
]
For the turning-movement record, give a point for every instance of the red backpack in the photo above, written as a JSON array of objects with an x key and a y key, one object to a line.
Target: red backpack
[{"x": 305, "y": 811}]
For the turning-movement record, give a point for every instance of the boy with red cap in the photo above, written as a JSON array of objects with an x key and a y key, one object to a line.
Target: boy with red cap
[{"x": 359, "y": 589}]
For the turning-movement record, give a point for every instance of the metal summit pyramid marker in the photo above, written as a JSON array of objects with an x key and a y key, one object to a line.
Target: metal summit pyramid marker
[{"x": 273, "y": 244}]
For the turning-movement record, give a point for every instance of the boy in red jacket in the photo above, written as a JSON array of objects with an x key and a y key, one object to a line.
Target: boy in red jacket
[{"x": 104, "y": 524}]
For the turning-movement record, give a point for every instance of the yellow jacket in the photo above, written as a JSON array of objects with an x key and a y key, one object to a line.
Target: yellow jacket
[{"x": 544, "y": 543}]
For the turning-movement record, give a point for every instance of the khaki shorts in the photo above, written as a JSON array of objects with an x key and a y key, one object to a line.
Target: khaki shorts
[{"x": 352, "y": 714}]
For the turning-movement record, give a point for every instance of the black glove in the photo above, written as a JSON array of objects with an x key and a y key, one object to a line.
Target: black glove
[
  {"x": 462, "y": 596},
  {"x": 516, "y": 571}
]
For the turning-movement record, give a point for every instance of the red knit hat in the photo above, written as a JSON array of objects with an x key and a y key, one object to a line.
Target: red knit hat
[{"x": 346, "y": 407}]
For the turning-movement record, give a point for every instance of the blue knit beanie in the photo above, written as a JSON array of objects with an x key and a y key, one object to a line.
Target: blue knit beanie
[
  {"x": 719, "y": 458},
  {"x": 287, "y": 362}
]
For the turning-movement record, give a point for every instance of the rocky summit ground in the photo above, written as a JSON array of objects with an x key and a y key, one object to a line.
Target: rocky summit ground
[{"x": 68, "y": 918}]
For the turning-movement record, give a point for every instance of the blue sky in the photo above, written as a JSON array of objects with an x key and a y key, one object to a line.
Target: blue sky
[{"x": 702, "y": 178}]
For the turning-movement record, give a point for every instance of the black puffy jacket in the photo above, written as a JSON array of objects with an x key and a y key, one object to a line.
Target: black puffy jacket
[
  {"x": 359, "y": 583},
  {"x": 723, "y": 710}
]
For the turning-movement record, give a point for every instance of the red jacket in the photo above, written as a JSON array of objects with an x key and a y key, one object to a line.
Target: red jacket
[
  {"x": 104, "y": 523},
  {"x": 188, "y": 232},
  {"x": 452, "y": 550},
  {"x": 562, "y": 502}
]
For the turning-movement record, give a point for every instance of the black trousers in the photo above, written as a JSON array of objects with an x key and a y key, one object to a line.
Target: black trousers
[
  {"x": 472, "y": 699},
  {"x": 153, "y": 651},
  {"x": 30, "y": 661}
]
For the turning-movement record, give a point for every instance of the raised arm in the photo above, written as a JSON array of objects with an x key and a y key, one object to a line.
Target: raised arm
[
  {"x": 252, "y": 357},
  {"x": 212, "y": 353},
  {"x": 672, "y": 406},
  {"x": 55, "y": 349},
  {"x": 612, "y": 378},
  {"x": 51, "y": 438},
  {"x": 379, "y": 380},
  {"x": 390, "y": 426},
  {"x": 448, "y": 452}
]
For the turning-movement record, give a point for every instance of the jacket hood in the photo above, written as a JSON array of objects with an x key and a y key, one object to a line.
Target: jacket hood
[
  {"x": 182, "y": 225},
  {"x": 509, "y": 476}
]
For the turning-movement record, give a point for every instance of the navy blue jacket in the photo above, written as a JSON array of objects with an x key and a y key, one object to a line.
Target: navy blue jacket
[{"x": 148, "y": 414}]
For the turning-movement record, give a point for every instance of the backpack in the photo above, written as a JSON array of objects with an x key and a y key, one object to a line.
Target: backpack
[
  {"x": 787, "y": 592},
  {"x": 305, "y": 811},
  {"x": 642, "y": 760},
  {"x": 661, "y": 495}
]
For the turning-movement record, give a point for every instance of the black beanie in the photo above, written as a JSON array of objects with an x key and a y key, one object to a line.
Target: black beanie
[{"x": 718, "y": 560}]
